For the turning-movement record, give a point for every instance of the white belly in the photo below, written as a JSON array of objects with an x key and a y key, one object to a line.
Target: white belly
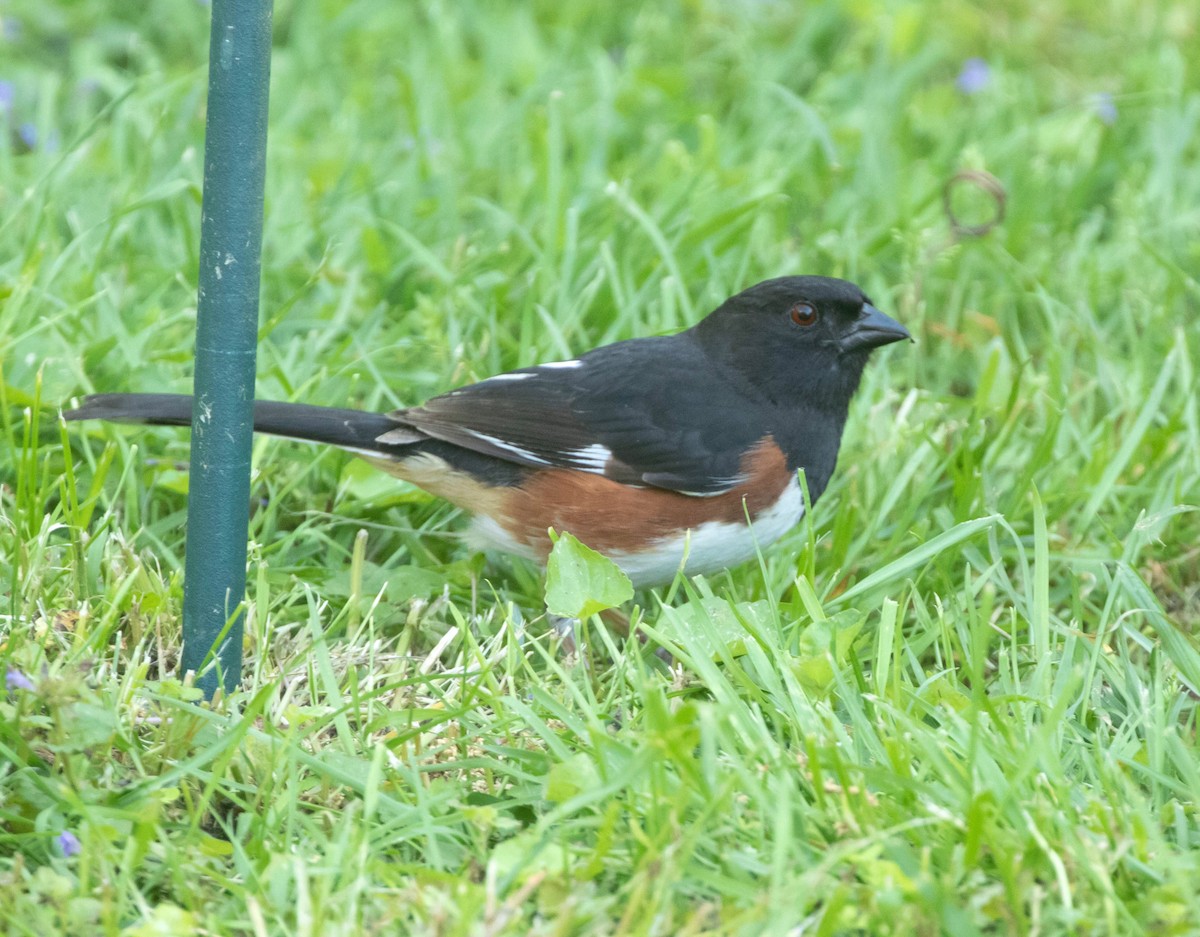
[
  {"x": 714, "y": 546},
  {"x": 708, "y": 548}
]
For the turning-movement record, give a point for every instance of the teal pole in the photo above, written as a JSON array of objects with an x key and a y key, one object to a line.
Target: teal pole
[{"x": 218, "y": 512}]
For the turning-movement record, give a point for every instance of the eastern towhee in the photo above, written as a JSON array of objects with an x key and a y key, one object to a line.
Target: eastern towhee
[{"x": 661, "y": 453}]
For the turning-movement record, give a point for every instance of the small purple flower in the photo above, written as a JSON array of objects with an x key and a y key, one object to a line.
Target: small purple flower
[
  {"x": 7, "y": 93},
  {"x": 69, "y": 843},
  {"x": 28, "y": 134},
  {"x": 1104, "y": 107},
  {"x": 976, "y": 75},
  {"x": 15, "y": 680}
]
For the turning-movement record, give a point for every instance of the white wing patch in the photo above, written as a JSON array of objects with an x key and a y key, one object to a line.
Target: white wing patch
[
  {"x": 401, "y": 435},
  {"x": 726, "y": 484},
  {"x": 509, "y": 376},
  {"x": 518, "y": 375},
  {"x": 507, "y": 446},
  {"x": 592, "y": 458}
]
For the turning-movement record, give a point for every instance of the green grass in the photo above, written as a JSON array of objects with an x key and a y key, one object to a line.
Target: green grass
[{"x": 961, "y": 699}]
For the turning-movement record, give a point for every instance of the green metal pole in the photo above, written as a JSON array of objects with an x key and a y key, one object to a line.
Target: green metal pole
[{"x": 218, "y": 517}]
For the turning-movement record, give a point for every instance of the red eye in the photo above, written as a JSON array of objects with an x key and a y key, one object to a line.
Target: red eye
[{"x": 804, "y": 314}]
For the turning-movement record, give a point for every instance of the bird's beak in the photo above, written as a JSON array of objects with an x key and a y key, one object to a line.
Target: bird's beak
[{"x": 871, "y": 330}]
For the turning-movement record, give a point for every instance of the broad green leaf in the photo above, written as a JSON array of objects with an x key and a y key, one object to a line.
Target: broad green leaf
[
  {"x": 88, "y": 726},
  {"x": 711, "y": 623},
  {"x": 824, "y": 645},
  {"x": 580, "y": 582},
  {"x": 398, "y": 584},
  {"x": 568, "y": 778}
]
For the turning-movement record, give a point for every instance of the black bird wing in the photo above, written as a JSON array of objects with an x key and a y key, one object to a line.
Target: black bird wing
[{"x": 644, "y": 412}]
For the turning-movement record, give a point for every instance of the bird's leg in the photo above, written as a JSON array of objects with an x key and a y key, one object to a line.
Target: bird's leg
[{"x": 564, "y": 628}]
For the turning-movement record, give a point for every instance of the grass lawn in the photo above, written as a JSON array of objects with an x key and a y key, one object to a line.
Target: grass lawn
[{"x": 960, "y": 698}]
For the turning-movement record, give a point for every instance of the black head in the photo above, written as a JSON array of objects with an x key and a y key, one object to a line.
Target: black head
[{"x": 798, "y": 339}]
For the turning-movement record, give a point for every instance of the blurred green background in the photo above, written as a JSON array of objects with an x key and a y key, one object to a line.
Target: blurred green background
[{"x": 996, "y": 734}]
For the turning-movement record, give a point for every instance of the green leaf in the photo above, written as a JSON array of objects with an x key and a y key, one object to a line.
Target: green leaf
[
  {"x": 711, "y": 623},
  {"x": 825, "y": 645},
  {"x": 398, "y": 584},
  {"x": 580, "y": 582},
  {"x": 87, "y": 726},
  {"x": 568, "y": 778},
  {"x": 526, "y": 854},
  {"x": 361, "y": 481},
  {"x": 164, "y": 920}
]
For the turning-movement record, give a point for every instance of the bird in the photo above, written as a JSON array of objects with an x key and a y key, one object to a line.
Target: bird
[{"x": 667, "y": 454}]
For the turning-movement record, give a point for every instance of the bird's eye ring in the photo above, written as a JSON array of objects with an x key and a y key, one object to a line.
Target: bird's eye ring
[{"x": 804, "y": 314}]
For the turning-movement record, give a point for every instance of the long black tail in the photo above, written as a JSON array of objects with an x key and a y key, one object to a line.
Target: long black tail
[{"x": 350, "y": 429}]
